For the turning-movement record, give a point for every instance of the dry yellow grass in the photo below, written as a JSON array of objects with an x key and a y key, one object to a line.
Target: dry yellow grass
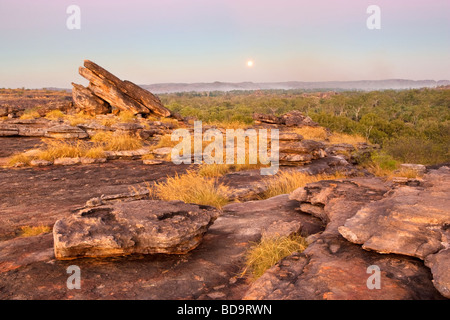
[
  {"x": 79, "y": 118},
  {"x": 165, "y": 141},
  {"x": 193, "y": 188},
  {"x": 320, "y": 134},
  {"x": 287, "y": 181},
  {"x": 30, "y": 114},
  {"x": 19, "y": 159},
  {"x": 354, "y": 139},
  {"x": 94, "y": 153},
  {"x": 126, "y": 116},
  {"x": 111, "y": 141},
  {"x": 312, "y": 133},
  {"x": 228, "y": 124},
  {"x": 55, "y": 115},
  {"x": 269, "y": 251},
  {"x": 55, "y": 149},
  {"x": 30, "y": 231}
]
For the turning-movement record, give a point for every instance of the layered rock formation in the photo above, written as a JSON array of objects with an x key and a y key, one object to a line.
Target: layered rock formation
[
  {"x": 145, "y": 226},
  {"x": 294, "y": 150},
  {"x": 107, "y": 93},
  {"x": 412, "y": 221},
  {"x": 334, "y": 268}
]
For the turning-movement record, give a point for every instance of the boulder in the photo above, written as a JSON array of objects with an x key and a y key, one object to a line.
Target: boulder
[
  {"x": 296, "y": 119},
  {"x": 121, "y": 95},
  {"x": 123, "y": 228},
  {"x": 135, "y": 92},
  {"x": 110, "y": 93}
]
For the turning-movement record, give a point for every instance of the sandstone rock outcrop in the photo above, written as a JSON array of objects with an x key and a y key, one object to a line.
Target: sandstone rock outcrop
[
  {"x": 107, "y": 92},
  {"x": 293, "y": 150},
  {"x": 144, "y": 226},
  {"x": 412, "y": 221},
  {"x": 334, "y": 268}
]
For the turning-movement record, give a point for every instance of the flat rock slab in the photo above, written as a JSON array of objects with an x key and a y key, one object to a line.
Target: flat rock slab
[
  {"x": 143, "y": 226},
  {"x": 34, "y": 196},
  {"x": 411, "y": 221}
]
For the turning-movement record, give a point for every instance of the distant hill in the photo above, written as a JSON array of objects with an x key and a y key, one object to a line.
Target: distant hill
[{"x": 365, "y": 85}]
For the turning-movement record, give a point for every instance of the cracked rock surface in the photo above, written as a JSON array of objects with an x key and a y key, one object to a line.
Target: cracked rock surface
[
  {"x": 145, "y": 226},
  {"x": 334, "y": 268}
]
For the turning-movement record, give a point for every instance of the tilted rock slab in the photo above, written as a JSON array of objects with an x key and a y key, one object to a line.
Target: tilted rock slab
[
  {"x": 121, "y": 95},
  {"x": 123, "y": 228},
  {"x": 412, "y": 221}
]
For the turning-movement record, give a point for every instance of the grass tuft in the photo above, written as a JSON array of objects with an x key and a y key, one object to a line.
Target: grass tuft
[
  {"x": 30, "y": 114},
  {"x": 55, "y": 115},
  {"x": 111, "y": 141},
  {"x": 193, "y": 188},
  {"x": 287, "y": 181},
  {"x": 268, "y": 252},
  {"x": 29, "y": 231},
  {"x": 312, "y": 133}
]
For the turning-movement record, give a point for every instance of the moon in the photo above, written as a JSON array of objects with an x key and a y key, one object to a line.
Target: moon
[{"x": 250, "y": 63}]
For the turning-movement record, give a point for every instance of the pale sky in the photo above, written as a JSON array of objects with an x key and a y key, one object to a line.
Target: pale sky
[{"x": 212, "y": 40}]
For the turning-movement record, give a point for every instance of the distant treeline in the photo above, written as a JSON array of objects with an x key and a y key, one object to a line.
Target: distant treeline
[{"x": 410, "y": 125}]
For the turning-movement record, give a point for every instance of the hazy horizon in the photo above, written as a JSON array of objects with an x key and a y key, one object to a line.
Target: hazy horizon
[{"x": 152, "y": 42}]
